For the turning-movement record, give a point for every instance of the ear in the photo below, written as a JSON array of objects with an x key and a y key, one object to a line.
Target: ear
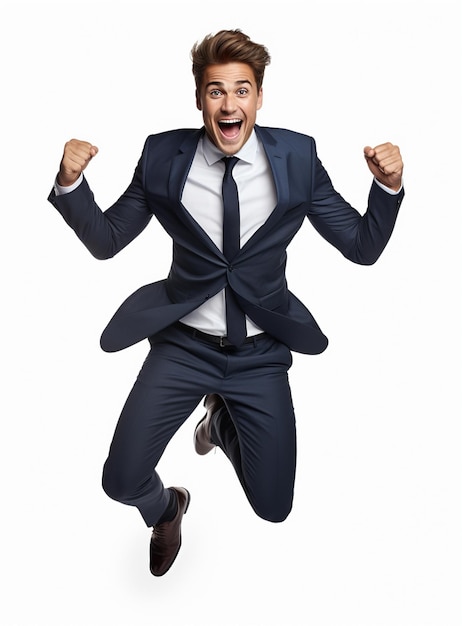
[
  {"x": 260, "y": 99},
  {"x": 198, "y": 101}
]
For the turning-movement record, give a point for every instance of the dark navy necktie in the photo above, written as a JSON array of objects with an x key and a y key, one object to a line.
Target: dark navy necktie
[{"x": 235, "y": 318}]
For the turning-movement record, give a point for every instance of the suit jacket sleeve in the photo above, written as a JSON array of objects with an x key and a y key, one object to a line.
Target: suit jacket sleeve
[
  {"x": 106, "y": 233},
  {"x": 360, "y": 238}
]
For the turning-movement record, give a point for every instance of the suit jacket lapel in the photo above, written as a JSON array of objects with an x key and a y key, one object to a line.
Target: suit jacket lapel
[
  {"x": 278, "y": 162},
  {"x": 180, "y": 166}
]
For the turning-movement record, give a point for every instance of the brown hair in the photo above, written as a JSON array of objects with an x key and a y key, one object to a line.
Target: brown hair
[{"x": 229, "y": 46}]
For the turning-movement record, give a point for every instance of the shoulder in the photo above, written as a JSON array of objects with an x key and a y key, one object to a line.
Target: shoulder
[
  {"x": 173, "y": 137},
  {"x": 177, "y": 133},
  {"x": 292, "y": 139},
  {"x": 168, "y": 144}
]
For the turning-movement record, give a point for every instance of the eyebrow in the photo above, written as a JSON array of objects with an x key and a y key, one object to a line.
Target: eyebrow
[{"x": 218, "y": 83}]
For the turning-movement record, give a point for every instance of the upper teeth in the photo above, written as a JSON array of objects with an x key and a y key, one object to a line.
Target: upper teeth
[{"x": 230, "y": 121}]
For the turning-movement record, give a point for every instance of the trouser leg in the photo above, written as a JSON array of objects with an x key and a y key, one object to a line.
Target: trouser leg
[
  {"x": 161, "y": 399},
  {"x": 256, "y": 430}
]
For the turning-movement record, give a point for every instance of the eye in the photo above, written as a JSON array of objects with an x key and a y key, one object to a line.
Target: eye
[
  {"x": 242, "y": 91},
  {"x": 215, "y": 93}
]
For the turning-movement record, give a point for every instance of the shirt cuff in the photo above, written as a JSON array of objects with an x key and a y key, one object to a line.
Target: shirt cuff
[
  {"x": 387, "y": 189},
  {"x": 61, "y": 191}
]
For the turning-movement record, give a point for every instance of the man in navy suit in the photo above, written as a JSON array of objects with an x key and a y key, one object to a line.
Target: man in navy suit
[{"x": 223, "y": 323}]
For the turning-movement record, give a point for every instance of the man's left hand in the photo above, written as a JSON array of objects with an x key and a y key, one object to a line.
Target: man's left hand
[{"x": 386, "y": 164}]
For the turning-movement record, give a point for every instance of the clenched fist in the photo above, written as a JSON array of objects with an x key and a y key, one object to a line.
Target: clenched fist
[
  {"x": 77, "y": 155},
  {"x": 386, "y": 164}
]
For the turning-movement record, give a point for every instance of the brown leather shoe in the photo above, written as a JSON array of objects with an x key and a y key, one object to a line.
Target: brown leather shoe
[
  {"x": 166, "y": 537},
  {"x": 202, "y": 434}
]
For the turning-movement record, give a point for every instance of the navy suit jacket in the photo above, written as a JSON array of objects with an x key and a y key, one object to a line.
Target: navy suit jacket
[{"x": 199, "y": 270}]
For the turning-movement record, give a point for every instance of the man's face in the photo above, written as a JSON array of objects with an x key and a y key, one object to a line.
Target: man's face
[{"x": 229, "y": 101}]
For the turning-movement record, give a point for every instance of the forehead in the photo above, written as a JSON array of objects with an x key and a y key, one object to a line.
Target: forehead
[{"x": 228, "y": 74}]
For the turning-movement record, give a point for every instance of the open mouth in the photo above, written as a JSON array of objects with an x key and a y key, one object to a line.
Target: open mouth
[{"x": 230, "y": 128}]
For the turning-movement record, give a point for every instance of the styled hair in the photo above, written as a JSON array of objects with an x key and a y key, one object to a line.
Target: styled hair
[{"x": 229, "y": 46}]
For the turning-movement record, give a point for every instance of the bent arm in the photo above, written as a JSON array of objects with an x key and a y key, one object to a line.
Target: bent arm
[
  {"x": 360, "y": 238},
  {"x": 105, "y": 233}
]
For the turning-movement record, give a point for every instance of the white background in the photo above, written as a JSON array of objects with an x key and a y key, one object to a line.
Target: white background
[{"x": 374, "y": 536}]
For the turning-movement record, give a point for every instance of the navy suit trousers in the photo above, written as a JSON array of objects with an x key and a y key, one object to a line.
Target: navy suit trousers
[{"x": 255, "y": 429}]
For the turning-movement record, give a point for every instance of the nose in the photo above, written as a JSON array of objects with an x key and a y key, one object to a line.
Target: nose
[{"x": 228, "y": 104}]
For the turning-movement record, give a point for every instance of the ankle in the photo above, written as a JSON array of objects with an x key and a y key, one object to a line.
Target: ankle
[{"x": 171, "y": 510}]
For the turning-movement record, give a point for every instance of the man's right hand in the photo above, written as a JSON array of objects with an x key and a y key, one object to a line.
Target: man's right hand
[{"x": 77, "y": 155}]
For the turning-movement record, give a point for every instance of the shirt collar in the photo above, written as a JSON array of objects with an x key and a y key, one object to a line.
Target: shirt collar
[{"x": 247, "y": 153}]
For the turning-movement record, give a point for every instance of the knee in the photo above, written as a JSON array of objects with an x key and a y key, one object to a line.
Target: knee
[
  {"x": 273, "y": 512},
  {"x": 115, "y": 483}
]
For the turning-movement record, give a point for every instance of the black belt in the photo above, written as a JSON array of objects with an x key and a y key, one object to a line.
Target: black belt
[{"x": 216, "y": 340}]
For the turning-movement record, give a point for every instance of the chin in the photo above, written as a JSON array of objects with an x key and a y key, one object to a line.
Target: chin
[{"x": 231, "y": 147}]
